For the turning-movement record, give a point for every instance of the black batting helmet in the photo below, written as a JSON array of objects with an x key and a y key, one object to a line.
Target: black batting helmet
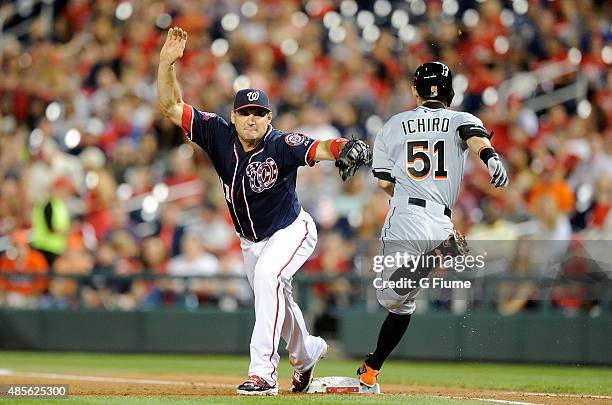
[{"x": 434, "y": 81}]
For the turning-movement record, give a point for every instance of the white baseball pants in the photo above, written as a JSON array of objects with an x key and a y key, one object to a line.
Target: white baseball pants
[{"x": 270, "y": 265}]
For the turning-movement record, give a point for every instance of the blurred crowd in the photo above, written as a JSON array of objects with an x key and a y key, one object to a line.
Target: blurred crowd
[{"x": 95, "y": 183}]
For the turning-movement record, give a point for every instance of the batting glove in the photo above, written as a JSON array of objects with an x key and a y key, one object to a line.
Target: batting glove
[{"x": 499, "y": 175}]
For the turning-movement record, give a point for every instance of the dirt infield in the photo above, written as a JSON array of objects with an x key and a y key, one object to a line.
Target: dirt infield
[{"x": 189, "y": 385}]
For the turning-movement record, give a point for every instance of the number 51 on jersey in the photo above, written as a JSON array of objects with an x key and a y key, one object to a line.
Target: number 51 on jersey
[{"x": 420, "y": 153}]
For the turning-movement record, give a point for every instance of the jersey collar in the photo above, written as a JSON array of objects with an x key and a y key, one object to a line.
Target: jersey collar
[{"x": 433, "y": 104}]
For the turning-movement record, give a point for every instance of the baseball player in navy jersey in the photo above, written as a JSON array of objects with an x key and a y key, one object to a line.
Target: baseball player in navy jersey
[
  {"x": 419, "y": 157},
  {"x": 257, "y": 166}
]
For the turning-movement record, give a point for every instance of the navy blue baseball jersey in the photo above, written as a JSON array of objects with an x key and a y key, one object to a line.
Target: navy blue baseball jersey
[{"x": 259, "y": 185}]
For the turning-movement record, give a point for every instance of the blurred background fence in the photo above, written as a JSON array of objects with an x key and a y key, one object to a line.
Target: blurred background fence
[{"x": 452, "y": 324}]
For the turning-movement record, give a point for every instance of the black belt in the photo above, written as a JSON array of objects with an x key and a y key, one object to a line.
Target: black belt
[{"x": 423, "y": 203}]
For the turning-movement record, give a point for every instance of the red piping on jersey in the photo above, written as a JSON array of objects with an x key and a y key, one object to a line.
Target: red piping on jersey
[
  {"x": 187, "y": 120},
  {"x": 311, "y": 153},
  {"x": 277, "y": 300},
  {"x": 248, "y": 211},
  {"x": 232, "y": 191}
]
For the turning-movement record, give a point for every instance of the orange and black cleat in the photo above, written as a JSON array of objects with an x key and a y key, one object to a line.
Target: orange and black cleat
[{"x": 367, "y": 375}]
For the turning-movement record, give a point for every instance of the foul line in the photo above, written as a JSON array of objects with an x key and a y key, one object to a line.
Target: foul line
[
  {"x": 112, "y": 379},
  {"x": 544, "y": 394},
  {"x": 497, "y": 401}
]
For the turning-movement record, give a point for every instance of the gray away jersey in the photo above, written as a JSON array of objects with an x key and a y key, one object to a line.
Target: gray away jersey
[{"x": 421, "y": 151}]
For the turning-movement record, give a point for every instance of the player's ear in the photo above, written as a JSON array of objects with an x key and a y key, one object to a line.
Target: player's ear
[
  {"x": 269, "y": 117},
  {"x": 233, "y": 117},
  {"x": 415, "y": 94}
]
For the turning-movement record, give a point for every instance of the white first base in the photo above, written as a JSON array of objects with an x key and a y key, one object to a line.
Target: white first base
[{"x": 340, "y": 385}]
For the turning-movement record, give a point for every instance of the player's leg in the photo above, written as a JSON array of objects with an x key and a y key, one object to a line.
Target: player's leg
[
  {"x": 421, "y": 233},
  {"x": 401, "y": 305},
  {"x": 295, "y": 333},
  {"x": 391, "y": 332},
  {"x": 254, "y": 385},
  {"x": 304, "y": 349},
  {"x": 410, "y": 234},
  {"x": 250, "y": 254},
  {"x": 283, "y": 254}
]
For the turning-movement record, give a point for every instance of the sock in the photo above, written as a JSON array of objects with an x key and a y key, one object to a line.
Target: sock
[{"x": 391, "y": 332}]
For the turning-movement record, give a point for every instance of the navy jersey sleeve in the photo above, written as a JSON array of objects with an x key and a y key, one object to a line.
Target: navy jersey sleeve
[
  {"x": 296, "y": 149},
  {"x": 203, "y": 127}
]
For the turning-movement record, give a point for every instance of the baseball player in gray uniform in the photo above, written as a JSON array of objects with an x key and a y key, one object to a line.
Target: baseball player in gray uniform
[{"x": 419, "y": 156}]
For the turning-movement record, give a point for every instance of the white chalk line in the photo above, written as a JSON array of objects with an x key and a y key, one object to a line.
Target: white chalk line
[
  {"x": 497, "y": 401},
  {"x": 111, "y": 379},
  {"x": 4, "y": 371},
  {"x": 544, "y": 394}
]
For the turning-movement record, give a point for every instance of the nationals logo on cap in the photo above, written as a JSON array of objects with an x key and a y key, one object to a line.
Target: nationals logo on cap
[{"x": 251, "y": 98}]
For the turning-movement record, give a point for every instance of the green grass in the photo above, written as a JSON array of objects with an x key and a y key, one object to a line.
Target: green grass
[
  {"x": 540, "y": 378},
  {"x": 311, "y": 399},
  {"x": 512, "y": 377}
]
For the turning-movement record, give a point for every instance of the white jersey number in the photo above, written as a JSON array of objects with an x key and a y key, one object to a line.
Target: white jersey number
[{"x": 418, "y": 151}]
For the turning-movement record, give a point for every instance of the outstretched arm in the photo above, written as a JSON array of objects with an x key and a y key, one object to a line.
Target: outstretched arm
[
  {"x": 482, "y": 147},
  {"x": 476, "y": 143},
  {"x": 168, "y": 91},
  {"x": 349, "y": 155},
  {"x": 324, "y": 149}
]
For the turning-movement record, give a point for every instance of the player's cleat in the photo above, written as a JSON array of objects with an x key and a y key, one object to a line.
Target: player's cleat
[
  {"x": 255, "y": 385},
  {"x": 302, "y": 380},
  {"x": 367, "y": 375}
]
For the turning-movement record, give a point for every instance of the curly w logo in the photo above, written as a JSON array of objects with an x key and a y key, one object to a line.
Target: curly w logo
[
  {"x": 262, "y": 175},
  {"x": 253, "y": 95}
]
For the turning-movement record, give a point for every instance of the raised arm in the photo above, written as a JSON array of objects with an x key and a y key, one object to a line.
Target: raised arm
[{"x": 168, "y": 91}]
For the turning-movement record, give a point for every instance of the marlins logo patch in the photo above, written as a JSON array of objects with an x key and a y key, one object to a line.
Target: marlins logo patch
[
  {"x": 262, "y": 175},
  {"x": 295, "y": 139}
]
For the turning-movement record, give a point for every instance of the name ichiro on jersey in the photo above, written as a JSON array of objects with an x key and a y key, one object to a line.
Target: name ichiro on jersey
[{"x": 426, "y": 125}]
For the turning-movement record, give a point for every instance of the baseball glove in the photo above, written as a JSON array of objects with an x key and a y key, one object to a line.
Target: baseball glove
[
  {"x": 354, "y": 154},
  {"x": 461, "y": 244},
  {"x": 455, "y": 245}
]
